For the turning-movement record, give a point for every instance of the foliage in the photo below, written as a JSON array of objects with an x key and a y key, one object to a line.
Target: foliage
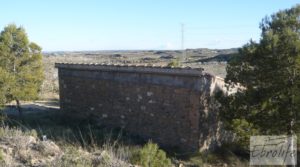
[
  {"x": 74, "y": 157},
  {"x": 151, "y": 156},
  {"x": 174, "y": 63},
  {"x": 268, "y": 75},
  {"x": 1, "y": 155},
  {"x": 5, "y": 81},
  {"x": 21, "y": 71}
]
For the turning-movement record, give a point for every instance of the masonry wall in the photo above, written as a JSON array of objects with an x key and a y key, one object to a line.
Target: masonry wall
[{"x": 169, "y": 106}]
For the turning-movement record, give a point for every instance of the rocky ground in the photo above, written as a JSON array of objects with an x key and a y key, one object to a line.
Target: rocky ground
[{"x": 25, "y": 149}]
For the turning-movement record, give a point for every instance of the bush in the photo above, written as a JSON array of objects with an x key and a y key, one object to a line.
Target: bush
[
  {"x": 174, "y": 63},
  {"x": 151, "y": 156},
  {"x": 1, "y": 156},
  {"x": 74, "y": 157}
]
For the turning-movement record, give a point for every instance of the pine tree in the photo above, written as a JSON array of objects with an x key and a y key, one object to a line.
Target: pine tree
[
  {"x": 269, "y": 74},
  {"x": 21, "y": 68}
]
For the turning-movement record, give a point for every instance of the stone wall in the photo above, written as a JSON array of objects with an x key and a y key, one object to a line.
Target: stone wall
[{"x": 171, "y": 106}]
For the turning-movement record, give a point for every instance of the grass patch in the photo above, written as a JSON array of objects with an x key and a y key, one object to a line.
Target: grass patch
[
  {"x": 61, "y": 129},
  {"x": 81, "y": 141}
]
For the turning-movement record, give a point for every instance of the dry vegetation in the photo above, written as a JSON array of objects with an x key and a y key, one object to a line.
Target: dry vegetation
[
  {"x": 47, "y": 139},
  {"x": 24, "y": 148}
]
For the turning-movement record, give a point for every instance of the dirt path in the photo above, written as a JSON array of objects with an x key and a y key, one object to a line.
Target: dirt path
[{"x": 33, "y": 107}]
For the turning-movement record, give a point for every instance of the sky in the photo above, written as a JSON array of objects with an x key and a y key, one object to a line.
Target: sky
[{"x": 78, "y": 25}]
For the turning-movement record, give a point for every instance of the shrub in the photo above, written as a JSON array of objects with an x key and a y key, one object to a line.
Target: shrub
[
  {"x": 151, "y": 156},
  {"x": 74, "y": 157},
  {"x": 1, "y": 156},
  {"x": 174, "y": 63}
]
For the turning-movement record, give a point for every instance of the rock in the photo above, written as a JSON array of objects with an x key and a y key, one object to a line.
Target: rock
[
  {"x": 29, "y": 151},
  {"x": 107, "y": 158}
]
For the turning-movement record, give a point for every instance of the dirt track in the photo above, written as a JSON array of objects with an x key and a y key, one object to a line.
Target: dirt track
[{"x": 33, "y": 107}]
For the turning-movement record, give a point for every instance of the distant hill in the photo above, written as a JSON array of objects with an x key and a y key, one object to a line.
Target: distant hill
[
  {"x": 213, "y": 61},
  {"x": 211, "y": 55}
]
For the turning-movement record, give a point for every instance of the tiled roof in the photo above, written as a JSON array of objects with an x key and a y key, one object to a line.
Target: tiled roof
[{"x": 188, "y": 71}]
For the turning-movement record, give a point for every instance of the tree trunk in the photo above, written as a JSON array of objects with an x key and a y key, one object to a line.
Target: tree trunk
[{"x": 19, "y": 108}]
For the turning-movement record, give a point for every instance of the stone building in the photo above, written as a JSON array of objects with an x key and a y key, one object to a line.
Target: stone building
[{"x": 172, "y": 106}]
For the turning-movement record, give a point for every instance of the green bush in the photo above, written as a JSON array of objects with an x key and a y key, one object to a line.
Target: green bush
[
  {"x": 150, "y": 156},
  {"x": 74, "y": 157},
  {"x": 1, "y": 156},
  {"x": 174, "y": 63}
]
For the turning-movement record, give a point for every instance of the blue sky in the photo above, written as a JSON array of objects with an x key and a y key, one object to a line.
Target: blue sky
[{"x": 139, "y": 24}]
